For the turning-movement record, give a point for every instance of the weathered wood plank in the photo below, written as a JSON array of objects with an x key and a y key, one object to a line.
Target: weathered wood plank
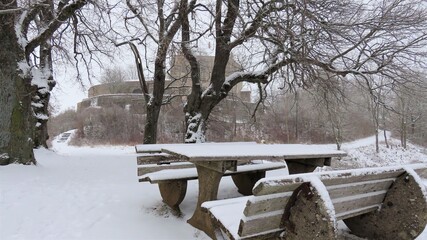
[
  {"x": 353, "y": 178},
  {"x": 422, "y": 172},
  {"x": 259, "y": 205},
  {"x": 156, "y": 158},
  {"x": 356, "y": 212},
  {"x": 357, "y": 202},
  {"x": 272, "y": 187},
  {"x": 262, "y": 223},
  {"x": 154, "y": 167},
  {"x": 352, "y": 189}
]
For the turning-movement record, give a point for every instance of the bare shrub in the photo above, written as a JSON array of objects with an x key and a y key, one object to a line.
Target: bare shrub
[{"x": 112, "y": 125}]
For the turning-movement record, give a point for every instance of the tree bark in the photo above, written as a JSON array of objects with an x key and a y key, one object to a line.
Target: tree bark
[
  {"x": 16, "y": 119},
  {"x": 155, "y": 103}
]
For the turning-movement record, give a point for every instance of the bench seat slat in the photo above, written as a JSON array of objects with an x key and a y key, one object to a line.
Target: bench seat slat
[
  {"x": 227, "y": 213},
  {"x": 191, "y": 173}
]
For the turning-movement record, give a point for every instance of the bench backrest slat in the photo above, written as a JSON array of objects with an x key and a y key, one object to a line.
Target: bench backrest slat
[
  {"x": 344, "y": 190},
  {"x": 346, "y": 178},
  {"x": 257, "y": 205},
  {"x": 273, "y": 187},
  {"x": 359, "y": 202},
  {"x": 265, "y": 223},
  {"x": 422, "y": 172}
]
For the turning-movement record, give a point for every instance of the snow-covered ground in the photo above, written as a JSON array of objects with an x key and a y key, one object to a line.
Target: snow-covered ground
[{"x": 93, "y": 193}]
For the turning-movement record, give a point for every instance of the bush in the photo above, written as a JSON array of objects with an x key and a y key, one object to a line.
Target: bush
[{"x": 112, "y": 125}]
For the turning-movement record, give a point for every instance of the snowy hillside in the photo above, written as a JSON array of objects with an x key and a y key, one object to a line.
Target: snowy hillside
[
  {"x": 93, "y": 193},
  {"x": 361, "y": 153}
]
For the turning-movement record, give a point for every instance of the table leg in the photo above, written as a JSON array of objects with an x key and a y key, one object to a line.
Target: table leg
[
  {"x": 173, "y": 192},
  {"x": 294, "y": 167},
  {"x": 306, "y": 165},
  {"x": 245, "y": 182},
  {"x": 208, "y": 190}
]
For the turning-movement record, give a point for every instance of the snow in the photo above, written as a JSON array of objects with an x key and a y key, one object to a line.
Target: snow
[
  {"x": 41, "y": 116},
  {"x": 230, "y": 210},
  {"x": 40, "y": 79},
  {"x": 197, "y": 136},
  {"x": 18, "y": 29},
  {"x": 141, "y": 148},
  {"x": 362, "y": 153},
  {"x": 93, "y": 193}
]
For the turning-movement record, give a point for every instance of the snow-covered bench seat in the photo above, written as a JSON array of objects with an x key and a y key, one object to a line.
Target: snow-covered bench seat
[
  {"x": 375, "y": 203},
  {"x": 172, "y": 175}
]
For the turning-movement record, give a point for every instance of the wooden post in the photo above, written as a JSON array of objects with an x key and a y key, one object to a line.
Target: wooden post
[
  {"x": 208, "y": 190},
  {"x": 173, "y": 192},
  {"x": 246, "y": 181}
]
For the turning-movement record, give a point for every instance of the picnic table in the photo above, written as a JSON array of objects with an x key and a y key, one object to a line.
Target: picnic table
[{"x": 212, "y": 160}]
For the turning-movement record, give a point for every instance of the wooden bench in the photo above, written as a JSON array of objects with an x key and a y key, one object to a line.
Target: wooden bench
[
  {"x": 171, "y": 175},
  {"x": 377, "y": 203}
]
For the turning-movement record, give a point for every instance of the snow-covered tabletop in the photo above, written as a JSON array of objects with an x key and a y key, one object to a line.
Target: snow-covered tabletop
[
  {"x": 153, "y": 148},
  {"x": 244, "y": 151}
]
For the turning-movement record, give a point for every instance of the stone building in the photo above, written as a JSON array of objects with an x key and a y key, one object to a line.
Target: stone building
[{"x": 128, "y": 95}]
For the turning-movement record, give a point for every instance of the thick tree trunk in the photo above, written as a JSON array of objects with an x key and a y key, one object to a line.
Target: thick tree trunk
[
  {"x": 41, "y": 133},
  {"x": 197, "y": 114},
  {"x": 150, "y": 128},
  {"x": 16, "y": 119},
  {"x": 155, "y": 104}
]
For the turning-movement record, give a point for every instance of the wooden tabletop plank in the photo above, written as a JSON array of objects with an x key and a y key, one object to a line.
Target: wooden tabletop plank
[{"x": 221, "y": 152}]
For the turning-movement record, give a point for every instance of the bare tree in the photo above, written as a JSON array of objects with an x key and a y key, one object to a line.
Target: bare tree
[
  {"x": 330, "y": 96},
  {"x": 26, "y": 29},
  {"x": 409, "y": 107},
  {"x": 113, "y": 75},
  {"x": 340, "y": 37},
  {"x": 161, "y": 22}
]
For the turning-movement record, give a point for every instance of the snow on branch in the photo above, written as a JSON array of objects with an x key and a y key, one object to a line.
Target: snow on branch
[
  {"x": 65, "y": 13},
  {"x": 195, "y": 129},
  {"x": 253, "y": 77},
  {"x": 9, "y": 11}
]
